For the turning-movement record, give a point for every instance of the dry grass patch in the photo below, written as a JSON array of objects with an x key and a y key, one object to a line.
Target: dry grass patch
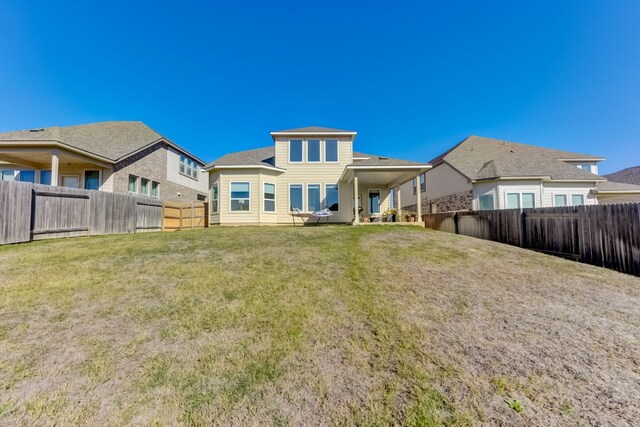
[{"x": 312, "y": 326}]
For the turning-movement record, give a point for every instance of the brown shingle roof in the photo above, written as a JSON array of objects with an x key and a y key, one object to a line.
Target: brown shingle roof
[
  {"x": 481, "y": 158},
  {"x": 317, "y": 129},
  {"x": 113, "y": 140},
  {"x": 617, "y": 186},
  {"x": 259, "y": 156}
]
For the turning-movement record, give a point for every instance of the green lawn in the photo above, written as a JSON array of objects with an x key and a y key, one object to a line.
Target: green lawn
[{"x": 331, "y": 325}]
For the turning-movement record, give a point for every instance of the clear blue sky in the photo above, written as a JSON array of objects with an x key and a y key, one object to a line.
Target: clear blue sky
[{"x": 413, "y": 78}]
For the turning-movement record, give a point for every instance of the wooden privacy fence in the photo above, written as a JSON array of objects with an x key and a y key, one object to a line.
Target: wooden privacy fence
[
  {"x": 602, "y": 235},
  {"x": 34, "y": 211},
  {"x": 180, "y": 216}
]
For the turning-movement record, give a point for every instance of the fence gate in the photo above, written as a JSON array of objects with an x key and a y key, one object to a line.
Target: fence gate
[{"x": 184, "y": 216}]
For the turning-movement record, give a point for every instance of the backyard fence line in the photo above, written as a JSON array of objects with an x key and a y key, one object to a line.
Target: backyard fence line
[
  {"x": 35, "y": 211},
  {"x": 603, "y": 235}
]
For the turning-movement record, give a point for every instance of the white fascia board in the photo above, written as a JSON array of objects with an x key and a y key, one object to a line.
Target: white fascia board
[
  {"x": 597, "y": 159},
  {"x": 273, "y": 168},
  {"x": 373, "y": 167},
  {"x": 312, "y": 133}
]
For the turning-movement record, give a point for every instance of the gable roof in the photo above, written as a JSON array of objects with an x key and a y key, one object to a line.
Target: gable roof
[
  {"x": 480, "y": 158},
  {"x": 313, "y": 129},
  {"x": 257, "y": 157},
  {"x": 628, "y": 176},
  {"x": 113, "y": 140}
]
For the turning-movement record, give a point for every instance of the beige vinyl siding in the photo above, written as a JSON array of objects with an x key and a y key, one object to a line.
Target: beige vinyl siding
[
  {"x": 313, "y": 173},
  {"x": 544, "y": 191},
  {"x": 550, "y": 189},
  {"x": 228, "y": 217},
  {"x": 384, "y": 198}
]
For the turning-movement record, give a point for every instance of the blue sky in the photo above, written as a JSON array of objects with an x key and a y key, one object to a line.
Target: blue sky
[{"x": 413, "y": 78}]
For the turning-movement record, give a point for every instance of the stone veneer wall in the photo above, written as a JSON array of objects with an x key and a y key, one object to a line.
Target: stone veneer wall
[
  {"x": 453, "y": 202},
  {"x": 151, "y": 164}
]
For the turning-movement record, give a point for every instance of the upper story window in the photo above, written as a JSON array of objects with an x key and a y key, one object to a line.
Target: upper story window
[
  {"x": 585, "y": 167},
  {"x": 331, "y": 150},
  {"x": 313, "y": 150},
  {"x": 295, "y": 150},
  {"x": 188, "y": 167}
]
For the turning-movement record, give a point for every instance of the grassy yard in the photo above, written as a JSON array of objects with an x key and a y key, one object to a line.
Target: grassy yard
[{"x": 312, "y": 326}]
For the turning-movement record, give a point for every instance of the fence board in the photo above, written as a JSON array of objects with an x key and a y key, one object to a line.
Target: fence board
[
  {"x": 35, "y": 211},
  {"x": 15, "y": 212},
  {"x": 603, "y": 235},
  {"x": 187, "y": 216}
]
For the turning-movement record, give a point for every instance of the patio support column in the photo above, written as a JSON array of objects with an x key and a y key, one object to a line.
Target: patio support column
[
  {"x": 55, "y": 162},
  {"x": 418, "y": 199},
  {"x": 356, "y": 214},
  {"x": 399, "y": 202}
]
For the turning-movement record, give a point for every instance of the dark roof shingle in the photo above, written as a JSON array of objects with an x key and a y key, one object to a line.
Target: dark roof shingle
[
  {"x": 481, "y": 158},
  {"x": 113, "y": 140},
  {"x": 259, "y": 156},
  {"x": 317, "y": 129}
]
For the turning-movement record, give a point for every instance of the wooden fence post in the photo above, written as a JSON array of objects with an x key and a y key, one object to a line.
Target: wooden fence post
[
  {"x": 455, "y": 223},
  {"x": 192, "y": 213}
]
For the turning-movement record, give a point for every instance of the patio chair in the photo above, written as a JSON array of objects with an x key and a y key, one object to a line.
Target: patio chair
[{"x": 322, "y": 213}]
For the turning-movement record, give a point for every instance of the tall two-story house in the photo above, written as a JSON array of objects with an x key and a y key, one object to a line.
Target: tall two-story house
[
  {"x": 304, "y": 171},
  {"x": 117, "y": 156},
  {"x": 484, "y": 173}
]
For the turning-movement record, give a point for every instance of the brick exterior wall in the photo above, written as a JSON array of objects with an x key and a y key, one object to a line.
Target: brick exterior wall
[
  {"x": 151, "y": 164},
  {"x": 453, "y": 202}
]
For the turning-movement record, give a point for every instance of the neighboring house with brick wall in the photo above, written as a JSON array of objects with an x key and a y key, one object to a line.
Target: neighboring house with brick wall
[
  {"x": 483, "y": 173},
  {"x": 119, "y": 157}
]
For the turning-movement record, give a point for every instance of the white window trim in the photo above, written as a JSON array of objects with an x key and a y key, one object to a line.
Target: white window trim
[
  {"x": 61, "y": 179},
  {"x": 249, "y": 198},
  {"x": 191, "y": 164},
  {"x": 275, "y": 197},
  {"x": 84, "y": 178},
  {"x": 313, "y": 162},
  {"x": 291, "y": 184},
  {"x": 307, "y": 196},
  {"x": 566, "y": 199},
  {"x": 324, "y": 151},
  {"x": 302, "y": 148},
  {"x": 519, "y": 199},
  {"x": 493, "y": 199},
  {"x": 151, "y": 190},
  {"x": 584, "y": 199},
  {"x": 137, "y": 183},
  {"x": 217, "y": 211},
  {"x": 369, "y": 190},
  {"x": 337, "y": 185},
  {"x": 148, "y": 194}
]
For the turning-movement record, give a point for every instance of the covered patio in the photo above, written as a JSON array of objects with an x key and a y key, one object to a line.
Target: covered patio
[
  {"x": 376, "y": 185},
  {"x": 53, "y": 165}
]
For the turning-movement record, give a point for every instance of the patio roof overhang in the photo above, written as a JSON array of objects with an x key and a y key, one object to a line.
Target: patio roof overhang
[
  {"x": 38, "y": 156},
  {"x": 387, "y": 175}
]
